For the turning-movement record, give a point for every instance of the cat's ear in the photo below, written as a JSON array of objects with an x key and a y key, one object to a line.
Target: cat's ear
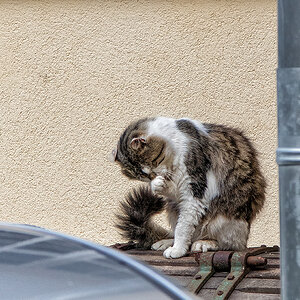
[
  {"x": 138, "y": 143},
  {"x": 113, "y": 155}
]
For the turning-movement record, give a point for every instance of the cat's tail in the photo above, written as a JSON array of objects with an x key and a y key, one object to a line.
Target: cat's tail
[{"x": 135, "y": 220}]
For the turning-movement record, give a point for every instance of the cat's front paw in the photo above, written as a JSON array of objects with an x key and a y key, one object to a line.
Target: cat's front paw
[
  {"x": 158, "y": 185},
  {"x": 162, "y": 244},
  {"x": 173, "y": 252}
]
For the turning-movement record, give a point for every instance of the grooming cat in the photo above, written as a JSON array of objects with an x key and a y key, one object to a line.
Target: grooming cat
[{"x": 206, "y": 176}]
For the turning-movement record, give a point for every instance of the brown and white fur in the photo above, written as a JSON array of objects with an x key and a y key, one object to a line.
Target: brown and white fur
[{"x": 207, "y": 175}]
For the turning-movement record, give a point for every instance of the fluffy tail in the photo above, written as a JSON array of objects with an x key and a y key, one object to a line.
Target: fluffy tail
[{"x": 135, "y": 222}]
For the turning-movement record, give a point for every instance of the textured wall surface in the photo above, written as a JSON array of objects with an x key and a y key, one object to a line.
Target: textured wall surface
[{"x": 74, "y": 73}]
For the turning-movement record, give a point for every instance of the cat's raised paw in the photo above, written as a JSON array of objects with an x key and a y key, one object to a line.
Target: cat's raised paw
[
  {"x": 173, "y": 252},
  {"x": 205, "y": 245},
  {"x": 162, "y": 244},
  {"x": 158, "y": 184}
]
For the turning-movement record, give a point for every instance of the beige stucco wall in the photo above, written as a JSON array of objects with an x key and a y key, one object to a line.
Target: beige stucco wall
[{"x": 74, "y": 73}]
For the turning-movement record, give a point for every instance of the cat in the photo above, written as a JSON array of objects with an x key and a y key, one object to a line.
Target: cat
[{"x": 206, "y": 176}]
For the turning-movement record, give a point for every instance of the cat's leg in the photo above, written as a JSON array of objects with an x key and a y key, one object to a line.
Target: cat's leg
[
  {"x": 190, "y": 211},
  {"x": 158, "y": 186},
  {"x": 231, "y": 234},
  {"x": 182, "y": 235},
  {"x": 162, "y": 244}
]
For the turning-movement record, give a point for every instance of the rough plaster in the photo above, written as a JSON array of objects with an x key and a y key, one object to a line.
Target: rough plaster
[{"x": 74, "y": 73}]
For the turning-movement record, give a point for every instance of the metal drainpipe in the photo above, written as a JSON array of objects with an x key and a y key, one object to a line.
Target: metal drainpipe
[{"x": 288, "y": 152}]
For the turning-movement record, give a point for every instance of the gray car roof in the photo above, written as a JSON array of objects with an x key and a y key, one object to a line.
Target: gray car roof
[{"x": 39, "y": 264}]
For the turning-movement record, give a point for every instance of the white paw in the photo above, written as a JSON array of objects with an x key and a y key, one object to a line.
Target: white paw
[
  {"x": 162, "y": 244},
  {"x": 204, "y": 246},
  {"x": 158, "y": 185},
  {"x": 173, "y": 252}
]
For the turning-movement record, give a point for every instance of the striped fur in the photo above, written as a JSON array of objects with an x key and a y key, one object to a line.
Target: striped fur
[
  {"x": 207, "y": 174},
  {"x": 135, "y": 220}
]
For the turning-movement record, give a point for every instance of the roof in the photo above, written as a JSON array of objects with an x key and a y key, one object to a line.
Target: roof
[{"x": 251, "y": 274}]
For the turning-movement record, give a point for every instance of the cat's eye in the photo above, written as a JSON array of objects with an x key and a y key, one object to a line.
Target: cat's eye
[{"x": 145, "y": 177}]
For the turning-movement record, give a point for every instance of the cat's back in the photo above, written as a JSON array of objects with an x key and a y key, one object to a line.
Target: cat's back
[{"x": 230, "y": 139}]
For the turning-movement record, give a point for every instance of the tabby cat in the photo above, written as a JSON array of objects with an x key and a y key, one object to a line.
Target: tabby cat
[{"x": 206, "y": 176}]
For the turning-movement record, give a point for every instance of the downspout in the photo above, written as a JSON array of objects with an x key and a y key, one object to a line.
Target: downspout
[{"x": 288, "y": 152}]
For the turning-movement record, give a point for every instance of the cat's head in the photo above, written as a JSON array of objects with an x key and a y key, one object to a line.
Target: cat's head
[{"x": 137, "y": 153}]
